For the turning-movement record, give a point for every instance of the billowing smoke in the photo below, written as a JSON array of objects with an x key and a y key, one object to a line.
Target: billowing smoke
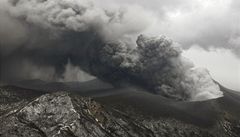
[
  {"x": 156, "y": 63},
  {"x": 81, "y": 15},
  {"x": 53, "y": 33}
]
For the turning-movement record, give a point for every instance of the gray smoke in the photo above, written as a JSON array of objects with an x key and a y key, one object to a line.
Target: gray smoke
[
  {"x": 45, "y": 33},
  {"x": 81, "y": 15},
  {"x": 53, "y": 33},
  {"x": 156, "y": 64}
]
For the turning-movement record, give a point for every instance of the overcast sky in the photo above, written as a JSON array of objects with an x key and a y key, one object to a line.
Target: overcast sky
[{"x": 208, "y": 30}]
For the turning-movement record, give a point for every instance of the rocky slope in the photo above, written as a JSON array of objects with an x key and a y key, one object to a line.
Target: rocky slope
[{"x": 29, "y": 113}]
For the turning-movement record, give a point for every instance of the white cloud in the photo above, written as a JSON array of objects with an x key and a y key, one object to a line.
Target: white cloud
[{"x": 222, "y": 64}]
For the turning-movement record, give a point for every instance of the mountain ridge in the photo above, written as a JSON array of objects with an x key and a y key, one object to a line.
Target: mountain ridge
[{"x": 68, "y": 114}]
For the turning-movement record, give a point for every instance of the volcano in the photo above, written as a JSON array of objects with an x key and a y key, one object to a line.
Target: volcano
[
  {"x": 112, "y": 111},
  {"x": 144, "y": 85}
]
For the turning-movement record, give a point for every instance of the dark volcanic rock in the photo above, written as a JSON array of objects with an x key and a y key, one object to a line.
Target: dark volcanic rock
[{"x": 66, "y": 115}]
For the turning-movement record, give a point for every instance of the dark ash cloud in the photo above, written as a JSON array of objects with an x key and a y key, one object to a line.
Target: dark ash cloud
[{"x": 100, "y": 42}]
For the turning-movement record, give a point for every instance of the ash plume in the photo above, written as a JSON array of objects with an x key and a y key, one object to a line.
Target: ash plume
[
  {"x": 156, "y": 64},
  {"x": 99, "y": 42}
]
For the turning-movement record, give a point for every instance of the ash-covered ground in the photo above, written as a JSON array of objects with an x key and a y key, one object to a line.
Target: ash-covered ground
[{"x": 117, "y": 112}]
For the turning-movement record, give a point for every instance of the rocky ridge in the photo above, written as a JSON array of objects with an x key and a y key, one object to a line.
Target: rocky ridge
[{"x": 62, "y": 114}]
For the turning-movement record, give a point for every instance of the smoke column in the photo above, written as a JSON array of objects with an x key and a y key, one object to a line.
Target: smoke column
[{"x": 52, "y": 33}]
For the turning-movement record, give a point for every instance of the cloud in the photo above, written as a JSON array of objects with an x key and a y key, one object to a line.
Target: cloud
[
  {"x": 205, "y": 23},
  {"x": 21, "y": 69},
  {"x": 100, "y": 41},
  {"x": 81, "y": 16},
  {"x": 222, "y": 64},
  {"x": 208, "y": 24},
  {"x": 74, "y": 73},
  {"x": 156, "y": 64},
  {"x": 12, "y": 32},
  {"x": 47, "y": 32}
]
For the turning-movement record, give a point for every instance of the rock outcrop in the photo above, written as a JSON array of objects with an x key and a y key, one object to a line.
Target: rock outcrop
[{"x": 62, "y": 114}]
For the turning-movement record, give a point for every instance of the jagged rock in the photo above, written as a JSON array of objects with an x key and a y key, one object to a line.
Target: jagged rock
[{"x": 62, "y": 114}]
